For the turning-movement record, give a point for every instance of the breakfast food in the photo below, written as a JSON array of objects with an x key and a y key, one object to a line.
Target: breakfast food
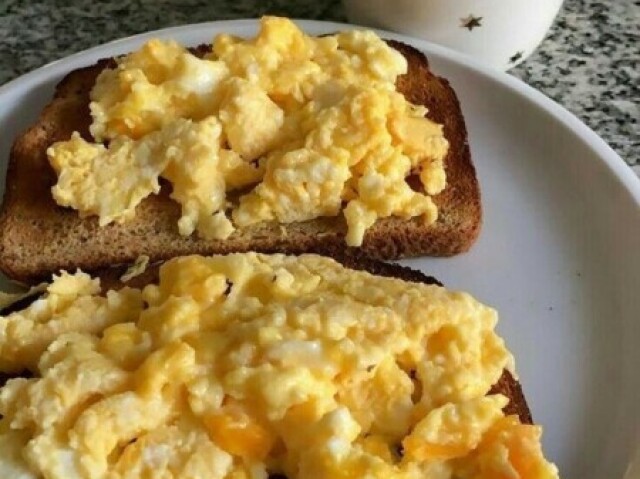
[
  {"x": 250, "y": 365},
  {"x": 284, "y": 142}
]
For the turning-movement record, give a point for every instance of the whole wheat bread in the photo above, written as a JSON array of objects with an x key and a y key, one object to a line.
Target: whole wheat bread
[
  {"x": 37, "y": 236},
  {"x": 506, "y": 385}
]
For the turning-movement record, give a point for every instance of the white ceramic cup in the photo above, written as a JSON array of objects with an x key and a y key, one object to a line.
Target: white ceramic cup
[{"x": 500, "y": 33}]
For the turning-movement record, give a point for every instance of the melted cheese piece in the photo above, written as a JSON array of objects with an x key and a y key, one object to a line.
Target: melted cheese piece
[
  {"x": 243, "y": 364},
  {"x": 313, "y": 126}
]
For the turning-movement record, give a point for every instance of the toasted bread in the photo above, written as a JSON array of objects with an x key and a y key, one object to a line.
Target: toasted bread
[{"x": 37, "y": 236}]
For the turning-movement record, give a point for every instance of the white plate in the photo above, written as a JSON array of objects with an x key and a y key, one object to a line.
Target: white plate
[{"x": 558, "y": 256}]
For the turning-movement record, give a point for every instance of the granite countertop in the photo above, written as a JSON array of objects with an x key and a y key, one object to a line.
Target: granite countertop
[{"x": 589, "y": 61}]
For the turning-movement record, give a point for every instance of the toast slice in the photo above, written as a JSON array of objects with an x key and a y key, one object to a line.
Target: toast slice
[
  {"x": 507, "y": 384},
  {"x": 37, "y": 236}
]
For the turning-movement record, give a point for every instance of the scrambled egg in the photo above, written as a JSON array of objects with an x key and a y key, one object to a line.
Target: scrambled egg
[
  {"x": 187, "y": 153},
  {"x": 246, "y": 365},
  {"x": 306, "y": 127}
]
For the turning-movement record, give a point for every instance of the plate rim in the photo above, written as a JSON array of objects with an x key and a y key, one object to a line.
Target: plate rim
[{"x": 623, "y": 173}]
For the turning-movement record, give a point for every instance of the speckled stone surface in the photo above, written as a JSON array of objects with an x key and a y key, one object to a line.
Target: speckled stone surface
[{"x": 589, "y": 62}]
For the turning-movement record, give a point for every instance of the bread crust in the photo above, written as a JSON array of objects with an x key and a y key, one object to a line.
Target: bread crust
[{"x": 37, "y": 236}]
